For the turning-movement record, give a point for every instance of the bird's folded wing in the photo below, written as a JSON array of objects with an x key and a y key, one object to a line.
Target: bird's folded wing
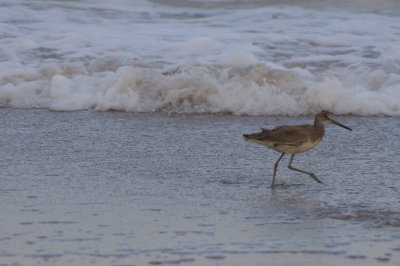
[{"x": 288, "y": 136}]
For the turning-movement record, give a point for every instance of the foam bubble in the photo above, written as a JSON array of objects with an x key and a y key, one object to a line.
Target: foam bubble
[
  {"x": 198, "y": 46},
  {"x": 240, "y": 59}
]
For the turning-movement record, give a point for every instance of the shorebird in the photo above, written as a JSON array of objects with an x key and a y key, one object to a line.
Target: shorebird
[{"x": 293, "y": 140}]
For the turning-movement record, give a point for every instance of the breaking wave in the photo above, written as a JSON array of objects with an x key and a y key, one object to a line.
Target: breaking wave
[{"x": 256, "y": 89}]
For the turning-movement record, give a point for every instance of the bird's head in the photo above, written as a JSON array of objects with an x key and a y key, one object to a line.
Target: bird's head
[{"x": 323, "y": 118}]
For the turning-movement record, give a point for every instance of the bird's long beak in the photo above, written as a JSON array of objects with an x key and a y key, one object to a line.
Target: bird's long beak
[{"x": 338, "y": 124}]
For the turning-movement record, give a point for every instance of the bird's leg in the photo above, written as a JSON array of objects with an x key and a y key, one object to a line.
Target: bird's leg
[
  {"x": 302, "y": 171},
  {"x": 276, "y": 166}
]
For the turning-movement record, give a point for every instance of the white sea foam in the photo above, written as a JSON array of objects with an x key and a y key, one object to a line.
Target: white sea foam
[{"x": 255, "y": 61}]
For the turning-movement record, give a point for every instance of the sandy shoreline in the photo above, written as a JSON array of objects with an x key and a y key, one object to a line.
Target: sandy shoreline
[{"x": 92, "y": 188}]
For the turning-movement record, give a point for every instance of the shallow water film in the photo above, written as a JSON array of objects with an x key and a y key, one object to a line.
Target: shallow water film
[{"x": 112, "y": 188}]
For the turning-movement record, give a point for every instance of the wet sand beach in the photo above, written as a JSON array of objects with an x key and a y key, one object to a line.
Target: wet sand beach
[{"x": 114, "y": 188}]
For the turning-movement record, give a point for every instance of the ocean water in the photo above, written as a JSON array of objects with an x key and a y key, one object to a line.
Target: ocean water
[
  {"x": 122, "y": 121},
  {"x": 228, "y": 56}
]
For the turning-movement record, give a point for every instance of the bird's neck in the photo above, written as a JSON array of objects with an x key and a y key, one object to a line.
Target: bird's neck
[{"x": 319, "y": 128}]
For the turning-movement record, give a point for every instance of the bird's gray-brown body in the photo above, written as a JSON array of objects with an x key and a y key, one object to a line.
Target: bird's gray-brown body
[
  {"x": 293, "y": 139},
  {"x": 289, "y": 139}
]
